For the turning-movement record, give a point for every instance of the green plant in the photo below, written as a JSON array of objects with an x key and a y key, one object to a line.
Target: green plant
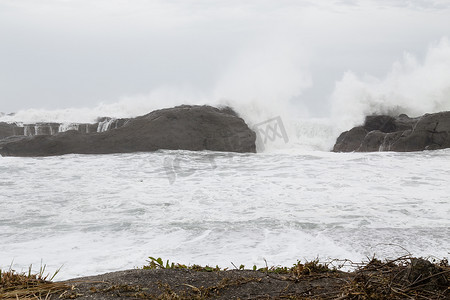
[{"x": 158, "y": 263}]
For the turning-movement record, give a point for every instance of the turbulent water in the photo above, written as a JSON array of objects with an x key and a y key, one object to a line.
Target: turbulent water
[
  {"x": 99, "y": 213},
  {"x": 312, "y": 68}
]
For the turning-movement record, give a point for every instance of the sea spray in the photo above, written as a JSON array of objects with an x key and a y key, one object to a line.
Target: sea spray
[{"x": 412, "y": 86}]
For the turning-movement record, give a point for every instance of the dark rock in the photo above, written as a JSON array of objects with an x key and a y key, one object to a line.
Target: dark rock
[
  {"x": 386, "y": 133},
  {"x": 18, "y": 130},
  {"x": 381, "y": 123},
  {"x": 350, "y": 140},
  {"x": 373, "y": 141},
  {"x": 86, "y": 128},
  {"x": 7, "y": 129},
  {"x": 183, "y": 127},
  {"x": 228, "y": 110},
  {"x": 44, "y": 128}
]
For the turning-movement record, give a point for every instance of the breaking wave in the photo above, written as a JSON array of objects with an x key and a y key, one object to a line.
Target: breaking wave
[{"x": 413, "y": 86}]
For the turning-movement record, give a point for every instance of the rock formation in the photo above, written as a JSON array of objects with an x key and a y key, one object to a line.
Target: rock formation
[
  {"x": 183, "y": 127},
  {"x": 402, "y": 133},
  {"x": 103, "y": 124},
  {"x": 7, "y": 129}
]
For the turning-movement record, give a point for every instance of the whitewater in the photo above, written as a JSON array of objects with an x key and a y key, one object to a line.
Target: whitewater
[
  {"x": 90, "y": 214},
  {"x": 294, "y": 199}
]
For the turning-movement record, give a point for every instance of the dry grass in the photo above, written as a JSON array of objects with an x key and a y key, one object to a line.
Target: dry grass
[
  {"x": 24, "y": 286},
  {"x": 403, "y": 278}
]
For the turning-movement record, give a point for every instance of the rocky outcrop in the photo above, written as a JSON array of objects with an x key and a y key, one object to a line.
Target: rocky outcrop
[
  {"x": 183, "y": 127},
  {"x": 42, "y": 128},
  {"x": 7, "y": 129},
  {"x": 386, "y": 133}
]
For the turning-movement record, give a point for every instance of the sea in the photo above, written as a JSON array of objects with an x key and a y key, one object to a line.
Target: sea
[
  {"x": 292, "y": 200},
  {"x": 298, "y": 72}
]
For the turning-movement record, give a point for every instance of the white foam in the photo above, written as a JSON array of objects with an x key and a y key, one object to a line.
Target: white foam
[
  {"x": 67, "y": 126},
  {"x": 93, "y": 214}
]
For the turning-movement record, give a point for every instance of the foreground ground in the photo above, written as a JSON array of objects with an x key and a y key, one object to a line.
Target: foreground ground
[{"x": 404, "y": 278}]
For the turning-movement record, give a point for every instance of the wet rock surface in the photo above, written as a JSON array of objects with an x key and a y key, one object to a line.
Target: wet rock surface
[
  {"x": 179, "y": 128},
  {"x": 401, "y": 133},
  {"x": 45, "y": 128},
  {"x": 7, "y": 130}
]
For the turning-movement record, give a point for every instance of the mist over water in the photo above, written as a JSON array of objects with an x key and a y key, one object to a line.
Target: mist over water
[
  {"x": 413, "y": 87},
  {"x": 337, "y": 61}
]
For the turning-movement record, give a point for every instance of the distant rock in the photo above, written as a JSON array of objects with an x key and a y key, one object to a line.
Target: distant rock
[
  {"x": 183, "y": 127},
  {"x": 402, "y": 134},
  {"x": 7, "y": 129},
  {"x": 42, "y": 128}
]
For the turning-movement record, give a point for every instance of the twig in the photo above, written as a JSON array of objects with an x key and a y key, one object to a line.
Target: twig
[
  {"x": 426, "y": 278},
  {"x": 234, "y": 266},
  {"x": 193, "y": 287},
  {"x": 267, "y": 267}
]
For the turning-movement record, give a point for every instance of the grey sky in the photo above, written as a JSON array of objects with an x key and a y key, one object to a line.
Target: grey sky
[{"x": 56, "y": 54}]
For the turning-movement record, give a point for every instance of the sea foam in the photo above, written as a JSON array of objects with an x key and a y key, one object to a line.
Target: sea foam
[{"x": 93, "y": 214}]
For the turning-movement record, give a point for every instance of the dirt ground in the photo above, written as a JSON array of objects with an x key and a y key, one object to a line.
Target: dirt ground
[
  {"x": 189, "y": 284},
  {"x": 402, "y": 279}
]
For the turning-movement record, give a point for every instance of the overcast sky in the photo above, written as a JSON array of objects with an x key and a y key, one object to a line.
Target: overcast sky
[{"x": 57, "y": 54}]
